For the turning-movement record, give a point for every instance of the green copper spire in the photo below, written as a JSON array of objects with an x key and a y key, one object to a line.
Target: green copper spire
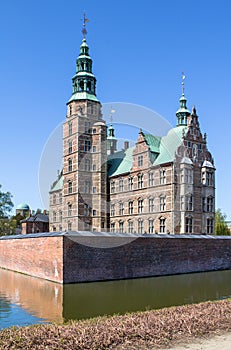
[
  {"x": 182, "y": 113},
  {"x": 84, "y": 81}
]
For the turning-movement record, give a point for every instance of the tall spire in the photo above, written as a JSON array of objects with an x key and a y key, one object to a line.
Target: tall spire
[
  {"x": 84, "y": 81},
  {"x": 182, "y": 113},
  {"x": 111, "y": 139}
]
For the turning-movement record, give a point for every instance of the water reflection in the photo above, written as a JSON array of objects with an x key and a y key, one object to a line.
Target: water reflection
[{"x": 53, "y": 302}]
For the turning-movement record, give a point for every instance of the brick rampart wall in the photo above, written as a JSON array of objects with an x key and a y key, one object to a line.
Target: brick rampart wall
[
  {"x": 143, "y": 257},
  {"x": 40, "y": 257},
  {"x": 69, "y": 259}
]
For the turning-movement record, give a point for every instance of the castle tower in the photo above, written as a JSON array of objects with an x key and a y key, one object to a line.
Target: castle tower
[
  {"x": 182, "y": 113},
  {"x": 84, "y": 151}
]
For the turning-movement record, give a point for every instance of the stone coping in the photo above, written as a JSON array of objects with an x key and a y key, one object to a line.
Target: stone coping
[{"x": 109, "y": 234}]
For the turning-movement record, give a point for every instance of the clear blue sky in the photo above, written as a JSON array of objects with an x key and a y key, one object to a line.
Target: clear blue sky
[{"x": 139, "y": 50}]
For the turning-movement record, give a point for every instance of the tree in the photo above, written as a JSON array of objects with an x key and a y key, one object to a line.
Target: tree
[
  {"x": 6, "y": 203},
  {"x": 221, "y": 228},
  {"x": 7, "y": 226}
]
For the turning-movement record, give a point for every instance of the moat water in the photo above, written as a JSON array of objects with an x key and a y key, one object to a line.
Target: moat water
[{"x": 26, "y": 300}]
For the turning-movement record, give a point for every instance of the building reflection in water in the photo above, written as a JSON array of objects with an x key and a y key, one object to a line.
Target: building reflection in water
[{"x": 54, "y": 302}]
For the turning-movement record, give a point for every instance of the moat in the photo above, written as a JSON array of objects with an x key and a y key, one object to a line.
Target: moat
[{"x": 26, "y": 300}]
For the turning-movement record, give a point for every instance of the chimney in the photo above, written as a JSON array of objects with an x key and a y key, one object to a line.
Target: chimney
[{"x": 126, "y": 145}]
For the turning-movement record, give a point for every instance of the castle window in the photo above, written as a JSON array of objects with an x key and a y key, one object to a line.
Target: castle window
[
  {"x": 54, "y": 216},
  {"x": 54, "y": 198},
  {"x": 188, "y": 176},
  {"x": 130, "y": 207},
  {"x": 189, "y": 202},
  {"x": 81, "y": 85},
  {"x": 69, "y": 165},
  {"x": 87, "y": 210},
  {"x": 121, "y": 185},
  {"x": 210, "y": 224},
  {"x": 121, "y": 208},
  {"x": 121, "y": 227},
  {"x": 130, "y": 183},
  {"x": 60, "y": 198},
  {"x": 82, "y": 66},
  {"x": 140, "y": 161},
  {"x": 151, "y": 226},
  {"x": 210, "y": 206},
  {"x": 94, "y": 190},
  {"x": 162, "y": 222},
  {"x": 94, "y": 212},
  {"x": 162, "y": 177},
  {"x": 140, "y": 181},
  {"x": 70, "y": 187},
  {"x": 162, "y": 203},
  {"x": 112, "y": 227},
  {"x": 112, "y": 186},
  {"x": 151, "y": 205},
  {"x": 130, "y": 226},
  {"x": 60, "y": 215},
  {"x": 70, "y": 128},
  {"x": 140, "y": 205},
  {"x": 188, "y": 224},
  {"x": 140, "y": 226},
  {"x": 94, "y": 167},
  {"x": 151, "y": 179},
  {"x": 112, "y": 209},
  {"x": 209, "y": 178},
  {"x": 87, "y": 145},
  {"x": 94, "y": 131},
  {"x": 87, "y": 187},
  {"x": 69, "y": 209},
  {"x": 88, "y": 86},
  {"x": 60, "y": 228},
  {"x": 69, "y": 226},
  {"x": 94, "y": 149},
  {"x": 69, "y": 147},
  {"x": 87, "y": 164},
  {"x": 54, "y": 228}
]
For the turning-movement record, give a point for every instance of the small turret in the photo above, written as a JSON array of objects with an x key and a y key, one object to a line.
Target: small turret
[{"x": 182, "y": 113}]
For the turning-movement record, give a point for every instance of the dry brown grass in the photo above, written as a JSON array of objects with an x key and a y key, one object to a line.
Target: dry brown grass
[{"x": 143, "y": 330}]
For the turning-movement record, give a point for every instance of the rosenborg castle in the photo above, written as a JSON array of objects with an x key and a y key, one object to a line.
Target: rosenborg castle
[{"x": 161, "y": 185}]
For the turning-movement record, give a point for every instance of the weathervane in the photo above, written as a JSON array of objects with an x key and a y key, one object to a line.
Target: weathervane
[
  {"x": 183, "y": 78},
  {"x": 84, "y": 30}
]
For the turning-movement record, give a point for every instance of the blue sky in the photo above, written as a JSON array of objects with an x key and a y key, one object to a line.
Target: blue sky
[{"x": 139, "y": 49}]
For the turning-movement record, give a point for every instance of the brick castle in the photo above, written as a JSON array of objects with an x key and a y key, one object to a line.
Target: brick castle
[{"x": 161, "y": 185}]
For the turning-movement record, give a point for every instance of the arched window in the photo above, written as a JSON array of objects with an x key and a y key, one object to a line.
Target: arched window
[
  {"x": 140, "y": 180},
  {"x": 81, "y": 85},
  {"x": 70, "y": 187},
  {"x": 69, "y": 165},
  {"x": 88, "y": 86},
  {"x": 162, "y": 222},
  {"x": 69, "y": 147},
  {"x": 69, "y": 209}
]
